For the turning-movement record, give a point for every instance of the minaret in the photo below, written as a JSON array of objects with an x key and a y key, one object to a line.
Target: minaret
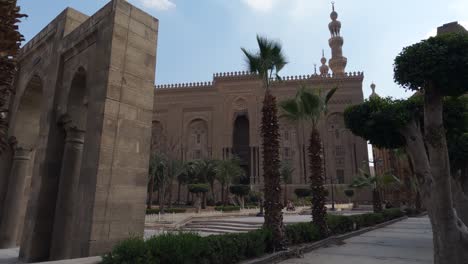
[
  {"x": 337, "y": 61},
  {"x": 373, "y": 94},
  {"x": 324, "y": 68}
]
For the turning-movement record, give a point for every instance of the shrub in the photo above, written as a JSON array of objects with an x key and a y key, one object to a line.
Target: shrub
[
  {"x": 412, "y": 212},
  {"x": 132, "y": 250},
  {"x": 349, "y": 193},
  {"x": 228, "y": 208},
  {"x": 393, "y": 213},
  {"x": 179, "y": 248},
  {"x": 240, "y": 189},
  {"x": 339, "y": 224},
  {"x": 302, "y": 233},
  {"x": 166, "y": 210},
  {"x": 366, "y": 220},
  {"x": 188, "y": 248},
  {"x": 302, "y": 192},
  {"x": 198, "y": 188},
  {"x": 232, "y": 248}
]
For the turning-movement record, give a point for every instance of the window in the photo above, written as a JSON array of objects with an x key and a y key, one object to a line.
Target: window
[
  {"x": 197, "y": 154},
  {"x": 198, "y": 138},
  {"x": 340, "y": 176},
  {"x": 339, "y": 151}
]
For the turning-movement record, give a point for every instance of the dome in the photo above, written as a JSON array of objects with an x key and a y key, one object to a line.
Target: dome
[{"x": 333, "y": 15}]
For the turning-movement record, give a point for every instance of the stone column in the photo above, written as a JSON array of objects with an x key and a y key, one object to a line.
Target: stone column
[
  {"x": 11, "y": 220},
  {"x": 65, "y": 209},
  {"x": 6, "y": 160}
]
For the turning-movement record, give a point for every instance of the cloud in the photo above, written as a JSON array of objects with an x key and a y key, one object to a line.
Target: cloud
[
  {"x": 158, "y": 4},
  {"x": 260, "y": 5}
]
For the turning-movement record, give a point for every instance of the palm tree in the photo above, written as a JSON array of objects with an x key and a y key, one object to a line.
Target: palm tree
[
  {"x": 376, "y": 182},
  {"x": 310, "y": 107},
  {"x": 228, "y": 171},
  {"x": 267, "y": 62},
  {"x": 156, "y": 173},
  {"x": 286, "y": 172},
  {"x": 9, "y": 47},
  {"x": 206, "y": 169}
]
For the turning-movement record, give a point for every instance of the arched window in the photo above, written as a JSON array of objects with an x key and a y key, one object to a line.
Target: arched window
[{"x": 197, "y": 139}]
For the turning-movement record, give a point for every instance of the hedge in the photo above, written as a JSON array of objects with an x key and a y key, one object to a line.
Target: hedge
[
  {"x": 189, "y": 248},
  {"x": 166, "y": 210},
  {"x": 227, "y": 208}
]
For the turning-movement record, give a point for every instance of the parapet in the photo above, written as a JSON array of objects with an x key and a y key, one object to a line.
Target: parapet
[{"x": 185, "y": 85}]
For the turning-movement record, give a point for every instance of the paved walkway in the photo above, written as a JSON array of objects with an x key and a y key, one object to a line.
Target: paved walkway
[{"x": 405, "y": 242}]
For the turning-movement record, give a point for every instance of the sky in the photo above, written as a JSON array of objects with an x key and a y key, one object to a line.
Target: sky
[{"x": 200, "y": 37}]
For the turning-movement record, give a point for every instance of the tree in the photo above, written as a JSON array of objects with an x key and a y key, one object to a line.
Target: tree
[
  {"x": 206, "y": 170},
  {"x": 435, "y": 68},
  {"x": 198, "y": 189},
  {"x": 349, "y": 193},
  {"x": 267, "y": 63},
  {"x": 9, "y": 47},
  {"x": 240, "y": 190},
  {"x": 376, "y": 183},
  {"x": 286, "y": 172},
  {"x": 228, "y": 171},
  {"x": 302, "y": 193},
  {"x": 310, "y": 106},
  {"x": 156, "y": 173}
]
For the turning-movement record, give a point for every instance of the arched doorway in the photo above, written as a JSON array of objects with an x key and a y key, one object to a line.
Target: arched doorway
[
  {"x": 74, "y": 124},
  {"x": 26, "y": 128},
  {"x": 241, "y": 144}
]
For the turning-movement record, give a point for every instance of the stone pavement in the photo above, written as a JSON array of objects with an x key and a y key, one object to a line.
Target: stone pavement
[{"x": 405, "y": 242}]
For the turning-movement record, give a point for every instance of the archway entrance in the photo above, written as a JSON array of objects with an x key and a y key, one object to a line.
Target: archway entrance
[
  {"x": 241, "y": 144},
  {"x": 26, "y": 127}
]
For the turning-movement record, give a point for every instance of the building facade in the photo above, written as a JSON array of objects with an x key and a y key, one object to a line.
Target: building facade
[
  {"x": 73, "y": 183},
  {"x": 221, "y": 118}
]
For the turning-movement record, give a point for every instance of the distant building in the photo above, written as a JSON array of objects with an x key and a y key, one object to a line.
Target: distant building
[{"x": 222, "y": 118}]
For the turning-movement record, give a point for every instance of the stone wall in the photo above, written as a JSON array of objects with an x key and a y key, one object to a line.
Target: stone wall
[{"x": 88, "y": 159}]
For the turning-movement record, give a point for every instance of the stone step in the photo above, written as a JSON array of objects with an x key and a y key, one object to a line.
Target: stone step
[
  {"x": 210, "y": 230},
  {"x": 226, "y": 221},
  {"x": 221, "y": 227},
  {"x": 224, "y": 224}
]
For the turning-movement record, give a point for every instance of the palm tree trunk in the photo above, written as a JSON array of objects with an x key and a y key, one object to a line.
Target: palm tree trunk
[
  {"x": 285, "y": 201},
  {"x": 212, "y": 191},
  {"x": 376, "y": 201},
  {"x": 319, "y": 211},
  {"x": 222, "y": 194},
  {"x": 150, "y": 193},
  {"x": 178, "y": 192},
  {"x": 271, "y": 175}
]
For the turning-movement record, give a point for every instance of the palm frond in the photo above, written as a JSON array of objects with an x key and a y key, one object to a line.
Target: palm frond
[
  {"x": 290, "y": 109},
  {"x": 330, "y": 95}
]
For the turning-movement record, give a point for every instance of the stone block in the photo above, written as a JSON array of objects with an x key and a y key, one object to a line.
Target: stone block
[
  {"x": 141, "y": 43},
  {"x": 140, "y": 63},
  {"x": 130, "y": 176},
  {"x": 142, "y": 17},
  {"x": 128, "y": 112},
  {"x": 124, "y": 7},
  {"x": 121, "y": 19},
  {"x": 142, "y": 30},
  {"x": 145, "y": 116},
  {"x": 140, "y": 98},
  {"x": 111, "y": 108}
]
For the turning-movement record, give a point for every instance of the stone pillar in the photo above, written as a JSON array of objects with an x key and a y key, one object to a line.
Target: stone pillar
[
  {"x": 65, "y": 210},
  {"x": 6, "y": 159},
  {"x": 10, "y": 222}
]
